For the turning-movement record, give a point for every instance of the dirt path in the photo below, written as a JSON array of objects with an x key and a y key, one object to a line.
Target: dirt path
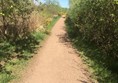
[{"x": 57, "y": 61}]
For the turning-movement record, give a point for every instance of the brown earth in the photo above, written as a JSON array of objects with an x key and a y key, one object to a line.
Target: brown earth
[{"x": 57, "y": 61}]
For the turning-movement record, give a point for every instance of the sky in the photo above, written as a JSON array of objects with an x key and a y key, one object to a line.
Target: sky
[{"x": 63, "y": 3}]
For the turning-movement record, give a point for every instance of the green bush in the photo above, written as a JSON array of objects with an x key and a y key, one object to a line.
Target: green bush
[{"x": 96, "y": 21}]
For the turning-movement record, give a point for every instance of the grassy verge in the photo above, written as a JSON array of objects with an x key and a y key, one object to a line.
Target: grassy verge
[
  {"x": 92, "y": 56},
  {"x": 14, "y": 58},
  {"x": 53, "y": 23}
]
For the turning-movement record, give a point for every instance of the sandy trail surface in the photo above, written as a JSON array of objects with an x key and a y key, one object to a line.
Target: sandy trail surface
[{"x": 57, "y": 61}]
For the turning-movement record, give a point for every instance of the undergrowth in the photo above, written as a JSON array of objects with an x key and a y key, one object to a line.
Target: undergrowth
[
  {"x": 93, "y": 27},
  {"x": 92, "y": 56},
  {"x": 14, "y": 56}
]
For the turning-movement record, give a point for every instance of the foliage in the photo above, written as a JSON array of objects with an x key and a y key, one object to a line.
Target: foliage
[
  {"x": 97, "y": 64},
  {"x": 19, "y": 38},
  {"x": 96, "y": 21},
  {"x": 14, "y": 17},
  {"x": 13, "y": 57}
]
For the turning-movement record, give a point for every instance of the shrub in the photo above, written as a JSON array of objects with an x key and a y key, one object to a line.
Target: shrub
[
  {"x": 96, "y": 23},
  {"x": 14, "y": 20}
]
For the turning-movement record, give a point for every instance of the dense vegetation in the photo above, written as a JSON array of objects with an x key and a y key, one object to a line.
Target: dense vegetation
[
  {"x": 23, "y": 24},
  {"x": 94, "y": 24}
]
